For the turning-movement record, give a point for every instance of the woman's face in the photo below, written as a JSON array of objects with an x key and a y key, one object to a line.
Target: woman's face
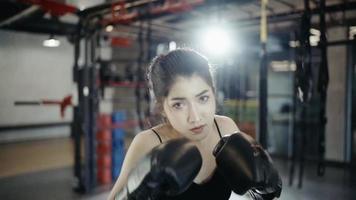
[{"x": 190, "y": 107}]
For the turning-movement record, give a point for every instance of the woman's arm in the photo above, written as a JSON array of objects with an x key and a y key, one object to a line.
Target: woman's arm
[{"x": 140, "y": 146}]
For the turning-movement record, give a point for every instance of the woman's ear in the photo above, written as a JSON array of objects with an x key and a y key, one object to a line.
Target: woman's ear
[
  {"x": 160, "y": 108},
  {"x": 163, "y": 114}
]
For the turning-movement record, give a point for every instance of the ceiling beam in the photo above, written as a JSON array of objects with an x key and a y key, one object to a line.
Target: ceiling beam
[{"x": 283, "y": 2}]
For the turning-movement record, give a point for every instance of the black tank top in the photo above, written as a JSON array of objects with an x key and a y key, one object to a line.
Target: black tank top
[{"x": 214, "y": 188}]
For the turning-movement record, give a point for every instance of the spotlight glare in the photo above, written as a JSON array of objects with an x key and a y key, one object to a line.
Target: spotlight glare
[{"x": 216, "y": 41}]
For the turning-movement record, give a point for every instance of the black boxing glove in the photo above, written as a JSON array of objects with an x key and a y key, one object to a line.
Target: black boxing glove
[
  {"x": 167, "y": 170},
  {"x": 247, "y": 167}
]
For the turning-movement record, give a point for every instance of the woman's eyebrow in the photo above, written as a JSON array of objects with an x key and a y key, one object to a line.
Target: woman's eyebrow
[
  {"x": 182, "y": 98},
  {"x": 177, "y": 98},
  {"x": 201, "y": 93}
]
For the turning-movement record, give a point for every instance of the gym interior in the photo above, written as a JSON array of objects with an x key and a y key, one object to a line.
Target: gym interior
[{"x": 74, "y": 92}]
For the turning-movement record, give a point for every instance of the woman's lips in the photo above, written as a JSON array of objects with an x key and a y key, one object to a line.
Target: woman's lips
[{"x": 197, "y": 129}]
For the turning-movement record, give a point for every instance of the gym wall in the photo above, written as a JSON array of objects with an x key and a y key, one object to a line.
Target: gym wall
[
  {"x": 31, "y": 72},
  {"x": 335, "y": 127}
]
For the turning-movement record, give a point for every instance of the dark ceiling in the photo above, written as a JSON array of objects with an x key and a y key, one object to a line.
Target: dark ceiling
[{"x": 25, "y": 15}]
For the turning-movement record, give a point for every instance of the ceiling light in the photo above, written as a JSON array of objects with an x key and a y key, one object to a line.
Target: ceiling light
[
  {"x": 216, "y": 41},
  {"x": 109, "y": 28},
  {"x": 51, "y": 42}
]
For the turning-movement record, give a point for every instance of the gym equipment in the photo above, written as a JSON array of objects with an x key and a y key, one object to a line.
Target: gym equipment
[
  {"x": 263, "y": 134},
  {"x": 307, "y": 88},
  {"x": 118, "y": 145},
  {"x": 63, "y": 104},
  {"x": 103, "y": 150},
  {"x": 322, "y": 85}
]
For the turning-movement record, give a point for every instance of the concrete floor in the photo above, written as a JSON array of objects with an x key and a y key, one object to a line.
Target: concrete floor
[
  {"x": 52, "y": 178},
  {"x": 337, "y": 183},
  {"x": 57, "y": 185},
  {"x": 37, "y": 155}
]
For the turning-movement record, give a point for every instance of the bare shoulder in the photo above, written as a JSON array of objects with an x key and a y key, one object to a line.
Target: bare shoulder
[
  {"x": 142, "y": 143},
  {"x": 223, "y": 119},
  {"x": 145, "y": 140},
  {"x": 226, "y": 125}
]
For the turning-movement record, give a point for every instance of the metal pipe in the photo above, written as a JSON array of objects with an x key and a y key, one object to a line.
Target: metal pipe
[
  {"x": 263, "y": 128},
  {"x": 23, "y": 14},
  {"x": 290, "y": 5},
  {"x": 323, "y": 81}
]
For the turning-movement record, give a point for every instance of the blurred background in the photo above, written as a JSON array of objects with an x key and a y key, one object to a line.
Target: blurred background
[{"x": 74, "y": 92}]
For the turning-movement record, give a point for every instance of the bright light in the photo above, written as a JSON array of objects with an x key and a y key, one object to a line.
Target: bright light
[
  {"x": 314, "y": 38},
  {"x": 85, "y": 91},
  {"x": 314, "y": 31},
  {"x": 216, "y": 41},
  {"x": 294, "y": 43},
  {"x": 109, "y": 28},
  {"x": 51, "y": 42},
  {"x": 172, "y": 46}
]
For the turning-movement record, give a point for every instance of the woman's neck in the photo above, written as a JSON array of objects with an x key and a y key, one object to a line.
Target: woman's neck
[
  {"x": 204, "y": 145},
  {"x": 207, "y": 144}
]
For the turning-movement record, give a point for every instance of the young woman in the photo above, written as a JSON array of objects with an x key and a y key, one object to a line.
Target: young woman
[{"x": 183, "y": 88}]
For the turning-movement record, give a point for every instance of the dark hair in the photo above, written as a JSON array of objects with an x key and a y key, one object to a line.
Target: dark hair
[{"x": 165, "y": 68}]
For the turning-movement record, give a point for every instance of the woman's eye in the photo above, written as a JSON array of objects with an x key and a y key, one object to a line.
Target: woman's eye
[
  {"x": 204, "y": 98},
  {"x": 177, "y": 105}
]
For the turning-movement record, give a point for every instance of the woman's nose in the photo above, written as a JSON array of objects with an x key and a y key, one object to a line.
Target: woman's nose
[{"x": 193, "y": 114}]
